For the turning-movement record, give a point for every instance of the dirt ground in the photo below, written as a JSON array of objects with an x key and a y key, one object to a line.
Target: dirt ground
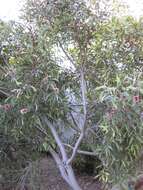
[{"x": 50, "y": 178}]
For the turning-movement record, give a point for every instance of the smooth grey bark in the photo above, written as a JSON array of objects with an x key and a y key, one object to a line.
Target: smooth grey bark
[
  {"x": 64, "y": 163},
  {"x": 81, "y": 151},
  {"x": 65, "y": 168},
  {"x": 66, "y": 171}
]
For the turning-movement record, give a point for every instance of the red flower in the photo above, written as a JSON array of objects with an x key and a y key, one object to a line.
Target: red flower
[
  {"x": 6, "y": 107},
  {"x": 136, "y": 99},
  {"x": 24, "y": 110}
]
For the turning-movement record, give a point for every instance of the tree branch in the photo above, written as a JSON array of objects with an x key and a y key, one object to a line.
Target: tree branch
[
  {"x": 66, "y": 54},
  {"x": 59, "y": 164},
  {"x": 74, "y": 121},
  {"x": 83, "y": 94},
  {"x": 56, "y": 158},
  {"x": 75, "y": 149},
  {"x": 82, "y": 151},
  {"x": 57, "y": 139},
  {"x": 42, "y": 130}
]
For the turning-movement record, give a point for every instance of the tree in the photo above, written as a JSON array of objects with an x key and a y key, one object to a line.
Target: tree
[{"x": 46, "y": 98}]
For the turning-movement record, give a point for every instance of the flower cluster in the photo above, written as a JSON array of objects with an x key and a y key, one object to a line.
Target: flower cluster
[
  {"x": 6, "y": 107},
  {"x": 136, "y": 99},
  {"x": 24, "y": 110}
]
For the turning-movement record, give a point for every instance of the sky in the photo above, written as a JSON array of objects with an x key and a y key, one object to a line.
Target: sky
[
  {"x": 135, "y": 7},
  {"x": 10, "y": 9}
]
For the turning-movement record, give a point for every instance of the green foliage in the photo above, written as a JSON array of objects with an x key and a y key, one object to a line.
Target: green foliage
[
  {"x": 34, "y": 83},
  {"x": 119, "y": 142}
]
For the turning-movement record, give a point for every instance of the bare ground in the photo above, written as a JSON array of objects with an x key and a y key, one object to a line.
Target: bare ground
[{"x": 50, "y": 178}]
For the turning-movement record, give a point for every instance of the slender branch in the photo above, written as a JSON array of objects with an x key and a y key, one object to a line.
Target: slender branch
[
  {"x": 66, "y": 54},
  {"x": 76, "y": 105},
  {"x": 4, "y": 93},
  {"x": 57, "y": 139},
  {"x": 5, "y": 61},
  {"x": 42, "y": 130},
  {"x": 75, "y": 149},
  {"x": 3, "y": 69},
  {"x": 83, "y": 93},
  {"x": 74, "y": 121},
  {"x": 82, "y": 151}
]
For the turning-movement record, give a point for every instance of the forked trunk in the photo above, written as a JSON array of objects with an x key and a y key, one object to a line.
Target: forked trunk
[{"x": 66, "y": 172}]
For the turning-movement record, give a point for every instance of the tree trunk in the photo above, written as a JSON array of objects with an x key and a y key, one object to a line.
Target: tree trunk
[
  {"x": 66, "y": 171},
  {"x": 72, "y": 178}
]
